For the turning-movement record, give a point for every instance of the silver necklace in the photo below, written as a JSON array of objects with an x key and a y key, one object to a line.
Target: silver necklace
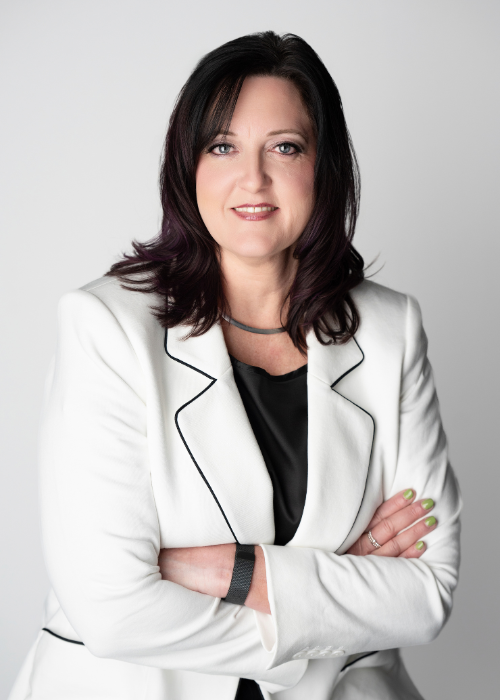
[{"x": 262, "y": 331}]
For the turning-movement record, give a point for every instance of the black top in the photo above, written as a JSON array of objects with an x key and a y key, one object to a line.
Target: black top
[{"x": 277, "y": 410}]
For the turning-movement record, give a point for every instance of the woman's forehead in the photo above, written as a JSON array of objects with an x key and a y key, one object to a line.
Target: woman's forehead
[{"x": 271, "y": 105}]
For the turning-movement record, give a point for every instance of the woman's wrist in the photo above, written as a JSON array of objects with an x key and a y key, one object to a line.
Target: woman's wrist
[
  {"x": 205, "y": 570},
  {"x": 209, "y": 570}
]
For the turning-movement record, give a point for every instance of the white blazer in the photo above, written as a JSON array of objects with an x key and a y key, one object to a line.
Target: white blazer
[{"x": 145, "y": 444}]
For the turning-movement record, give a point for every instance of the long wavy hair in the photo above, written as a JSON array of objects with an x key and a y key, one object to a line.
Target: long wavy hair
[{"x": 182, "y": 263}]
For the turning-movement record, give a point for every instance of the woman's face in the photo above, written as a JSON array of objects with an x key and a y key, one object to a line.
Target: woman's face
[{"x": 266, "y": 162}]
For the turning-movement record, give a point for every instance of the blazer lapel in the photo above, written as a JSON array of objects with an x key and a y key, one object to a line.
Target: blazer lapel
[
  {"x": 340, "y": 440},
  {"x": 216, "y": 432},
  {"x": 213, "y": 425}
]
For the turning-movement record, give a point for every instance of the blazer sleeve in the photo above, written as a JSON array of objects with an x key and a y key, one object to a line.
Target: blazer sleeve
[
  {"x": 99, "y": 523},
  {"x": 361, "y": 604}
]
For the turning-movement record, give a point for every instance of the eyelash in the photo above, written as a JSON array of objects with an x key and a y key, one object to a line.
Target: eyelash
[{"x": 298, "y": 149}]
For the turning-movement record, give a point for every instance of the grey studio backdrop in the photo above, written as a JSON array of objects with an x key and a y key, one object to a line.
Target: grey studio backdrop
[{"x": 86, "y": 88}]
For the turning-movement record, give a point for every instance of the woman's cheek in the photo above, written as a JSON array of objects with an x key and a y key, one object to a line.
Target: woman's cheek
[
  {"x": 207, "y": 202},
  {"x": 299, "y": 188},
  {"x": 212, "y": 187},
  {"x": 303, "y": 202}
]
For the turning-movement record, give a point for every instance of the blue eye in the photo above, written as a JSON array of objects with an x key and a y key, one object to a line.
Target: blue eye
[
  {"x": 222, "y": 149},
  {"x": 288, "y": 149}
]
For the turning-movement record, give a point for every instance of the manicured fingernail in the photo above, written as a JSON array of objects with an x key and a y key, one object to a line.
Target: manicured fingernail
[
  {"x": 430, "y": 521},
  {"x": 427, "y": 504},
  {"x": 408, "y": 494},
  {"x": 419, "y": 545}
]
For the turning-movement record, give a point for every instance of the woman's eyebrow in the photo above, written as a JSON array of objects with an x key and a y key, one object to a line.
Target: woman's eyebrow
[
  {"x": 270, "y": 133},
  {"x": 287, "y": 131}
]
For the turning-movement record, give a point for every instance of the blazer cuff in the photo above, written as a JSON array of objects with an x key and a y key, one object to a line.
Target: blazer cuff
[{"x": 282, "y": 635}]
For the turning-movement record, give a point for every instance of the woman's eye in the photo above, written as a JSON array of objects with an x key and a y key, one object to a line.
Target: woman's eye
[
  {"x": 287, "y": 149},
  {"x": 221, "y": 149}
]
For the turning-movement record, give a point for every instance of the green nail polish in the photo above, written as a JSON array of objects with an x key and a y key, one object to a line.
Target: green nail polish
[
  {"x": 427, "y": 504},
  {"x": 419, "y": 545},
  {"x": 408, "y": 494},
  {"x": 430, "y": 521}
]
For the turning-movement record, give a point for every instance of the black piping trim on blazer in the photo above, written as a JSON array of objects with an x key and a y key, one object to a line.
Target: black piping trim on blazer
[
  {"x": 348, "y": 371},
  {"x": 355, "y": 661},
  {"x": 65, "y": 639},
  {"x": 373, "y": 438},
  {"x": 182, "y": 436}
]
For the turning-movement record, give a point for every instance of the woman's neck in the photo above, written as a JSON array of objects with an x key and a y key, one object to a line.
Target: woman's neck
[{"x": 256, "y": 289}]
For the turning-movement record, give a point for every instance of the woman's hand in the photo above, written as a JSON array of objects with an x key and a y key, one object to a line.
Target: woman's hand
[
  {"x": 209, "y": 570},
  {"x": 393, "y": 516}
]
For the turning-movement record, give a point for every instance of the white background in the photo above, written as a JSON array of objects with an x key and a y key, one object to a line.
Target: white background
[{"x": 86, "y": 88}]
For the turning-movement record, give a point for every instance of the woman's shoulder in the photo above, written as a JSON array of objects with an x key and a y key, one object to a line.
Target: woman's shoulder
[
  {"x": 372, "y": 296},
  {"x": 105, "y": 301},
  {"x": 115, "y": 294},
  {"x": 386, "y": 315}
]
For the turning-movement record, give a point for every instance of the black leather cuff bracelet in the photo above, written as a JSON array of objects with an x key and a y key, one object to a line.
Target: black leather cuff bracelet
[{"x": 244, "y": 562}]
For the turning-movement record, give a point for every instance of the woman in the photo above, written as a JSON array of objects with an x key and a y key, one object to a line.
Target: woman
[{"x": 235, "y": 487}]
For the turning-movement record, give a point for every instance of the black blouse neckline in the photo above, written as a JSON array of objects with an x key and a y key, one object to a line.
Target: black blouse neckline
[{"x": 271, "y": 377}]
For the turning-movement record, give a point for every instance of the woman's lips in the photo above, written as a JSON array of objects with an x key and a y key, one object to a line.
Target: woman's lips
[{"x": 256, "y": 212}]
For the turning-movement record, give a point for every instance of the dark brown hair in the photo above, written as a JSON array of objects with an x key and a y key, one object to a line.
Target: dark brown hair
[{"x": 182, "y": 264}]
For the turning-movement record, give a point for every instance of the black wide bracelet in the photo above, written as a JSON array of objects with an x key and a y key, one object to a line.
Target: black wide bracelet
[{"x": 244, "y": 562}]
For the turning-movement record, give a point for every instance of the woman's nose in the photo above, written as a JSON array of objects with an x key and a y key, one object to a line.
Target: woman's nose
[{"x": 253, "y": 176}]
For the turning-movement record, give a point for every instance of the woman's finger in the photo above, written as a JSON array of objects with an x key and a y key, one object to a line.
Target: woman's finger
[
  {"x": 396, "y": 503},
  {"x": 392, "y": 505},
  {"x": 415, "y": 551},
  {"x": 388, "y": 528},
  {"x": 404, "y": 541}
]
